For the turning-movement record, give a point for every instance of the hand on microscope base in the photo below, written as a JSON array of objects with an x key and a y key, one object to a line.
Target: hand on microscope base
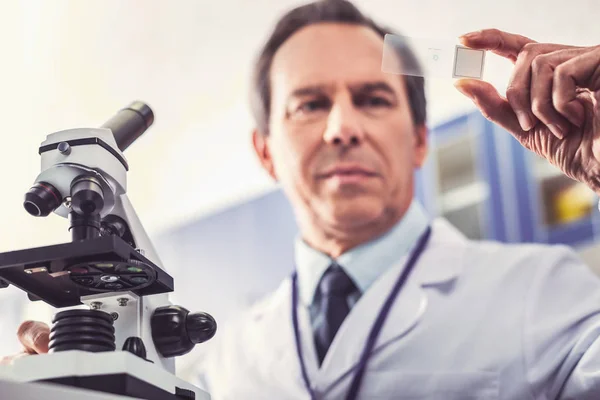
[
  {"x": 34, "y": 336},
  {"x": 175, "y": 331}
]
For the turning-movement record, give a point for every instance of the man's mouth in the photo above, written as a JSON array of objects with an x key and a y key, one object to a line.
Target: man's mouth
[{"x": 348, "y": 173}]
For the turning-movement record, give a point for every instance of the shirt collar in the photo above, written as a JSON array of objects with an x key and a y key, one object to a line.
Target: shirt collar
[{"x": 364, "y": 263}]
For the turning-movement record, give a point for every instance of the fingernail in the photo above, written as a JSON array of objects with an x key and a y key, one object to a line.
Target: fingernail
[
  {"x": 460, "y": 89},
  {"x": 470, "y": 35},
  {"x": 524, "y": 120},
  {"x": 555, "y": 129}
]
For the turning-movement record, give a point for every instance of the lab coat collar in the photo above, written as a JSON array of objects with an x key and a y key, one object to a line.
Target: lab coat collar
[
  {"x": 444, "y": 263},
  {"x": 441, "y": 262}
]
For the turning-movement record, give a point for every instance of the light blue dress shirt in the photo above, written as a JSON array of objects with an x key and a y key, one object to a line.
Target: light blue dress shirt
[{"x": 364, "y": 263}]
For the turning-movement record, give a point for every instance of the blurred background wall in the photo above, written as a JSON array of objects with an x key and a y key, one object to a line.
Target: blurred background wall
[{"x": 223, "y": 230}]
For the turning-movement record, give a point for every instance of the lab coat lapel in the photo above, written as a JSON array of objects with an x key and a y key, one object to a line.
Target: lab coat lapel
[
  {"x": 440, "y": 262},
  {"x": 276, "y": 333}
]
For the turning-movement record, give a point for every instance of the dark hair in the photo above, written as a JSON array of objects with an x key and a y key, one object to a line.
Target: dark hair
[{"x": 341, "y": 11}]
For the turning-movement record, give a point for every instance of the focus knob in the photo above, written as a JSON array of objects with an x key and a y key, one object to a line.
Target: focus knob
[
  {"x": 175, "y": 331},
  {"x": 135, "y": 345},
  {"x": 200, "y": 327}
]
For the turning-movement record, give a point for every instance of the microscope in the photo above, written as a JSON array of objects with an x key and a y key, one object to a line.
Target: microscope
[{"x": 116, "y": 331}]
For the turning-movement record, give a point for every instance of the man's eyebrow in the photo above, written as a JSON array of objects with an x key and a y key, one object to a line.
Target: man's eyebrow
[
  {"x": 372, "y": 87},
  {"x": 364, "y": 87},
  {"x": 309, "y": 91}
]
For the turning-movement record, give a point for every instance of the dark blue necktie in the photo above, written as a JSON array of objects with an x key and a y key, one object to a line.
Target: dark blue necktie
[{"x": 333, "y": 292}]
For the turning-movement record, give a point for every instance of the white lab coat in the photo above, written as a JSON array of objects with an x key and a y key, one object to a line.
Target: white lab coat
[{"x": 476, "y": 320}]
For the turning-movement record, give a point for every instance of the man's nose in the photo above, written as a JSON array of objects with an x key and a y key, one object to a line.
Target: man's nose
[{"x": 343, "y": 126}]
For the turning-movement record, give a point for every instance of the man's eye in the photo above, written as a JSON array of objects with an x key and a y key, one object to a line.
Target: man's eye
[
  {"x": 374, "y": 101},
  {"x": 313, "y": 105}
]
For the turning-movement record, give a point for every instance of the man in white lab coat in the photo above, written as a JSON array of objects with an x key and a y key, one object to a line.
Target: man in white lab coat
[
  {"x": 471, "y": 320},
  {"x": 385, "y": 302}
]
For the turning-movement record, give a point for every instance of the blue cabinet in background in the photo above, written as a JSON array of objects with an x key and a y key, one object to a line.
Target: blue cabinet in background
[
  {"x": 552, "y": 207},
  {"x": 462, "y": 181},
  {"x": 492, "y": 188}
]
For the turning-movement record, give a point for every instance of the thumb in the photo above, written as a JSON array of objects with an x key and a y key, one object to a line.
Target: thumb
[
  {"x": 34, "y": 336},
  {"x": 10, "y": 359},
  {"x": 491, "y": 104}
]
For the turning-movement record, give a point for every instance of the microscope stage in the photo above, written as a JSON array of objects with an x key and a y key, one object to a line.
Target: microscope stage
[{"x": 61, "y": 274}]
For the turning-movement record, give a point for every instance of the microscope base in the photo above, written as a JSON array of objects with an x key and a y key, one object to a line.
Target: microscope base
[
  {"x": 122, "y": 384},
  {"x": 36, "y": 391},
  {"x": 120, "y": 373}
]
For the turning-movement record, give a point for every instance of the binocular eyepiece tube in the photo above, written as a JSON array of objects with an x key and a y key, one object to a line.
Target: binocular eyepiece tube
[{"x": 127, "y": 125}]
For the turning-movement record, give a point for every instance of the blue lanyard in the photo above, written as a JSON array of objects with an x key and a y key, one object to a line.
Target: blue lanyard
[{"x": 375, "y": 329}]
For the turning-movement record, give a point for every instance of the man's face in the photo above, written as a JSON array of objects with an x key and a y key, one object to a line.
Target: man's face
[{"x": 341, "y": 142}]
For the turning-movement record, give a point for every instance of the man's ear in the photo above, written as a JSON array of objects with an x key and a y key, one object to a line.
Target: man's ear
[
  {"x": 261, "y": 147},
  {"x": 420, "y": 145}
]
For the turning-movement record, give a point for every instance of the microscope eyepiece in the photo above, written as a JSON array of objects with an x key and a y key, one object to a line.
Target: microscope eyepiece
[
  {"x": 130, "y": 123},
  {"x": 42, "y": 199}
]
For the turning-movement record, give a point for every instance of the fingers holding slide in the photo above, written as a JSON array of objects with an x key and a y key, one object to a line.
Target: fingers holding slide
[
  {"x": 544, "y": 104},
  {"x": 492, "y": 106},
  {"x": 505, "y": 44},
  {"x": 518, "y": 92},
  {"x": 580, "y": 71}
]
